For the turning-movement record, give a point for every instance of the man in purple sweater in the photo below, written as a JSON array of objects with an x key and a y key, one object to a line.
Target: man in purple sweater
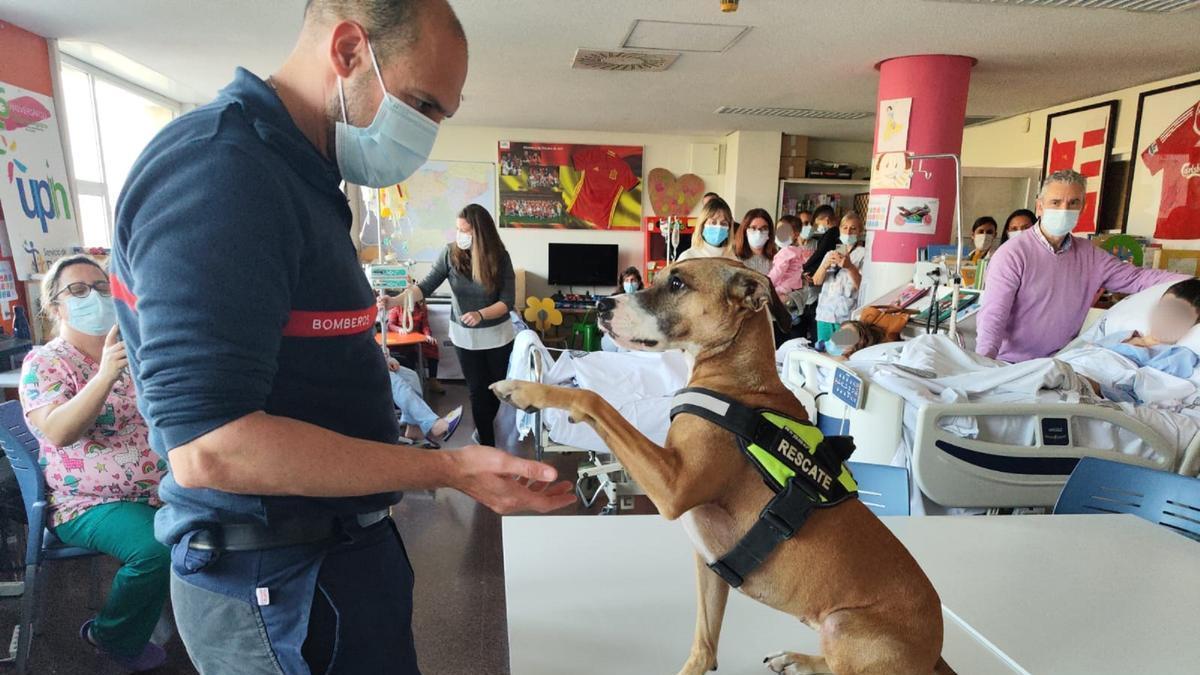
[{"x": 1040, "y": 284}]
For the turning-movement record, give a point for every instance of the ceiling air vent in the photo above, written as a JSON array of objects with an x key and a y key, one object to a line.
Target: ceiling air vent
[
  {"x": 1154, "y": 6},
  {"x": 624, "y": 61},
  {"x": 795, "y": 113}
]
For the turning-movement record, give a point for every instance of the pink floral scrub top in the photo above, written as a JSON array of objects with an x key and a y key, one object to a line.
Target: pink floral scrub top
[{"x": 113, "y": 461}]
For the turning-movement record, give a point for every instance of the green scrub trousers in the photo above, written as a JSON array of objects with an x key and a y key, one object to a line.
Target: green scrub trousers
[{"x": 125, "y": 530}]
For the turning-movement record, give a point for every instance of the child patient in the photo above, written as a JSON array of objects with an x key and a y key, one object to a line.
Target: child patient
[{"x": 1175, "y": 314}]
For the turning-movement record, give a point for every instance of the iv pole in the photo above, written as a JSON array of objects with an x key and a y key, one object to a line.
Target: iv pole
[{"x": 956, "y": 277}]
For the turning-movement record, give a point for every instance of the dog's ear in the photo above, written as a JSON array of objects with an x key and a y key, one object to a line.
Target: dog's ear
[{"x": 748, "y": 288}]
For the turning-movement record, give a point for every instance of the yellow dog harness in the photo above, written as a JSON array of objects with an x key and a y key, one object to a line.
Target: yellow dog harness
[{"x": 803, "y": 467}]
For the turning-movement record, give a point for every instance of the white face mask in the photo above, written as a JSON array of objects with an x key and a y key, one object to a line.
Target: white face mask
[
  {"x": 983, "y": 241},
  {"x": 757, "y": 238},
  {"x": 463, "y": 240},
  {"x": 1059, "y": 222}
]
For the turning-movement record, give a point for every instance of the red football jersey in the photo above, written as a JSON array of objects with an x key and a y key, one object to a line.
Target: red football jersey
[
  {"x": 1176, "y": 153},
  {"x": 605, "y": 177}
]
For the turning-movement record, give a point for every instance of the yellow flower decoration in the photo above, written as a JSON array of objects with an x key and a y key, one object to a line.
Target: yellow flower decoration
[{"x": 542, "y": 313}]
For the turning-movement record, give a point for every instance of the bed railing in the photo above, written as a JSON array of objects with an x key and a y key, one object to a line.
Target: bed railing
[{"x": 970, "y": 472}]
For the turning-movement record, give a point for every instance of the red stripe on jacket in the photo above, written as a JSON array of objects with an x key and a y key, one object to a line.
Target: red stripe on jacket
[
  {"x": 329, "y": 324},
  {"x": 121, "y": 292}
]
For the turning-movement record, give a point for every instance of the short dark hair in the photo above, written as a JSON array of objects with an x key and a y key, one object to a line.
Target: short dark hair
[
  {"x": 1187, "y": 290},
  {"x": 631, "y": 271},
  {"x": 824, "y": 210},
  {"x": 391, "y": 24},
  {"x": 983, "y": 220}
]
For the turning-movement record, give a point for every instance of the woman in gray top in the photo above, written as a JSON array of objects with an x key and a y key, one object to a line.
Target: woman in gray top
[{"x": 482, "y": 289}]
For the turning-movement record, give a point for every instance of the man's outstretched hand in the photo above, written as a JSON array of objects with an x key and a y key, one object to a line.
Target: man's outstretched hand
[{"x": 508, "y": 484}]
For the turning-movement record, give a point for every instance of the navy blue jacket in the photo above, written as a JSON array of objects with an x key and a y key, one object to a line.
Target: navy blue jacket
[{"x": 239, "y": 290}]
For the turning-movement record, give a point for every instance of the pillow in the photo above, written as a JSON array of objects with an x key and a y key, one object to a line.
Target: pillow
[
  {"x": 1133, "y": 312},
  {"x": 1191, "y": 340}
]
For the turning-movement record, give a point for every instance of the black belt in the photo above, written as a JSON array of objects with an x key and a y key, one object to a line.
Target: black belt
[{"x": 250, "y": 537}]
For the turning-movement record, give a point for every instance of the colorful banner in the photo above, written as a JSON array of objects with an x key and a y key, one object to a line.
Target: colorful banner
[
  {"x": 561, "y": 185},
  {"x": 37, "y": 206}
]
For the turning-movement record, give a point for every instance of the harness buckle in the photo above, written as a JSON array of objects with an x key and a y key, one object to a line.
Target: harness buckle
[
  {"x": 779, "y": 527},
  {"x": 726, "y": 573}
]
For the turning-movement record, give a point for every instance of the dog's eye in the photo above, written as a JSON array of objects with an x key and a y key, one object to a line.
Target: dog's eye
[{"x": 676, "y": 284}]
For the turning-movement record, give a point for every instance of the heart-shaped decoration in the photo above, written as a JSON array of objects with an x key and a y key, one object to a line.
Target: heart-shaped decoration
[{"x": 671, "y": 196}]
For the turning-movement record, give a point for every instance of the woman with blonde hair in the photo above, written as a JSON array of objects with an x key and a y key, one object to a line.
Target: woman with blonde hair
[
  {"x": 482, "y": 291},
  {"x": 101, "y": 475},
  {"x": 716, "y": 219}
]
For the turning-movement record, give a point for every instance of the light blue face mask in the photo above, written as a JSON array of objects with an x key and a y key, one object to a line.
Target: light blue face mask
[
  {"x": 716, "y": 235},
  {"x": 396, "y": 144},
  {"x": 849, "y": 239},
  {"x": 93, "y": 315},
  {"x": 630, "y": 287}
]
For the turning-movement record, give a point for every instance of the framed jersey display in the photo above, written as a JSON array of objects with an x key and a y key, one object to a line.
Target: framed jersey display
[
  {"x": 1081, "y": 139},
  {"x": 569, "y": 186},
  {"x": 1164, "y": 181}
]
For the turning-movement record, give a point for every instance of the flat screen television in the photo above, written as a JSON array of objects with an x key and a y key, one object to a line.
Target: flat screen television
[{"x": 583, "y": 265}]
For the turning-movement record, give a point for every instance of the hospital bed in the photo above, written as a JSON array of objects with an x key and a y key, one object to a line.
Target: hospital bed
[
  {"x": 600, "y": 473},
  {"x": 1021, "y": 456}
]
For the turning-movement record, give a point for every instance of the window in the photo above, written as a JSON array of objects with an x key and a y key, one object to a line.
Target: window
[{"x": 109, "y": 122}]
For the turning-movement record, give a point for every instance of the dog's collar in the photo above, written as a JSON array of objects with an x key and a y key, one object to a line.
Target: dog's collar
[{"x": 804, "y": 468}]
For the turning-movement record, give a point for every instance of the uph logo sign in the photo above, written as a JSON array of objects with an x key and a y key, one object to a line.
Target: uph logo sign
[{"x": 45, "y": 199}]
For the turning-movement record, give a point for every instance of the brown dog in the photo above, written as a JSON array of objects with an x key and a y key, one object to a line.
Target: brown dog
[{"x": 843, "y": 573}]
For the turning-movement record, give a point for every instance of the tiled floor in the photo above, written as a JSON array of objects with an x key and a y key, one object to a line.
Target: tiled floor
[{"x": 455, "y": 549}]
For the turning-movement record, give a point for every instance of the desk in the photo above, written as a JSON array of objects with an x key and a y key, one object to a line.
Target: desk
[
  {"x": 10, "y": 379},
  {"x": 1020, "y": 594},
  {"x": 409, "y": 340}
]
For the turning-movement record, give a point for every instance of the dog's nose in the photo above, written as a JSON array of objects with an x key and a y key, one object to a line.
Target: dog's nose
[{"x": 604, "y": 308}]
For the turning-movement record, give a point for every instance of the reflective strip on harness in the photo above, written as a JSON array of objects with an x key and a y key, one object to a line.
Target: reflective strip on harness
[{"x": 781, "y": 448}]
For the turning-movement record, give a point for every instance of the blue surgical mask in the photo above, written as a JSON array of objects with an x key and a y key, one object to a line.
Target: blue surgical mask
[
  {"x": 716, "y": 235},
  {"x": 396, "y": 144},
  {"x": 630, "y": 287},
  {"x": 832, "y": 348},
  {"x": 849, "y": 239},
  {"x": 93, "y": 315},
  {"x": 806, "y": 232},
  {"x": 1059, "y": 222}
]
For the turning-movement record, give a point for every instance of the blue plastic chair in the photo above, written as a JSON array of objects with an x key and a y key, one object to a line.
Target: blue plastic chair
[
  {"x": 21, "y": 448},
  {"x": 1102, "y": 486},
  {"x": 882, "y": 488},
  {"x": 833, "y": 426}
]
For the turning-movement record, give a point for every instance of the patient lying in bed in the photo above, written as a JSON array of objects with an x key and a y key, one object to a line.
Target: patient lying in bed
[{"x": 1175, "y": 314}]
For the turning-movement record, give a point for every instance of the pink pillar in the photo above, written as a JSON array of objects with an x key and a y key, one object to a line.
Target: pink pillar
[{"x": 937, "y": 85}]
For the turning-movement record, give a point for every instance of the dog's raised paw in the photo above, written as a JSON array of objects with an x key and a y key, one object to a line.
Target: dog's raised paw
[
  {"x": 791, "y": 663},
  {"x": 516, "y": 393}
]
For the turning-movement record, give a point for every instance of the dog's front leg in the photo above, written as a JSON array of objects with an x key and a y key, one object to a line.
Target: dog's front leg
[
  {"x": 656, "y": 469},
  {"x": 711, "y": 594}
]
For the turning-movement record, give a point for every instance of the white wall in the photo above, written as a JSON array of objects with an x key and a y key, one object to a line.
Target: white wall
[
  {"x": 752, "y": 170},
  {"x": 528, "y": 247},
  {"x": 1019, "y": 141},
  {"x": 749, "y": 178}
]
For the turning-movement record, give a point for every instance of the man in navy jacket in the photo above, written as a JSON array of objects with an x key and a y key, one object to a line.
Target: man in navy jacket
[{"x": 249, "y": 326}]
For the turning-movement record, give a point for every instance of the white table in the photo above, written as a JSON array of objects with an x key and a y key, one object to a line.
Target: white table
[
  {"x": 10, "y": 379},
  {"x": 1020, "y": 594}
]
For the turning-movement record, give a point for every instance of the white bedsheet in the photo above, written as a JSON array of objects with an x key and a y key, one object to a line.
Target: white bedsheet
[
  {"x": 962, "y": 377},
  {"x": 640, "y": 385}
]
